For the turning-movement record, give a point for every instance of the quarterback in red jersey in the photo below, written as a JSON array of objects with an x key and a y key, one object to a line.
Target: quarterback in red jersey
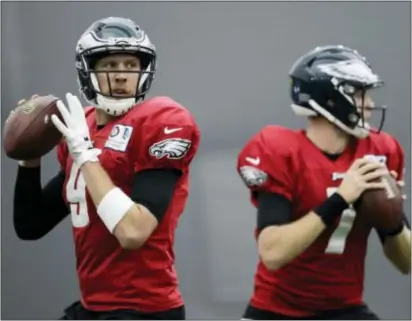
[
  {"x": 311, "y": 243},
  {"x": 123, "y": 181}
]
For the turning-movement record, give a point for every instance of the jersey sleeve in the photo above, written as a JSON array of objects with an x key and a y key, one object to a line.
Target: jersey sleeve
[
  {"x": 169, "y": 140},
  {"x": 265, "y": 164},
  {"x": 396, "y": 159}
]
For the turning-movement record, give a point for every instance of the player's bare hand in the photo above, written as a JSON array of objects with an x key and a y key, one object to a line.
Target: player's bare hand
[
  {"x": 361, "y": 176},
  {"x": 401, "y": 184}
]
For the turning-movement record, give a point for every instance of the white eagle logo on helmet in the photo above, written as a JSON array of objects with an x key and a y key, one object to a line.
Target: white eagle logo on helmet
[{"x": 171, "y": 148}]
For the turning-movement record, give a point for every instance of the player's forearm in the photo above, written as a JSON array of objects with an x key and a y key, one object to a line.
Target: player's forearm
[
  {"x": 279, "y": 245},
  {"x": 128, "y": 221},
  {"x": 398, "y": 250},
  {"x": 37, "y": 210},
  {"x": 97, "y": 181}
]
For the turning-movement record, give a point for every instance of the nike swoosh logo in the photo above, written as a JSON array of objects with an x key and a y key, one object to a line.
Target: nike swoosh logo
[
  {"x": 172, "y": 130},
  {"x": 254, "y": 161}
]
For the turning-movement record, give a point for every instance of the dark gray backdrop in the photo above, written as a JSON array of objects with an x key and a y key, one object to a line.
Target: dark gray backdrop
[{"x": 228, "y": 63}]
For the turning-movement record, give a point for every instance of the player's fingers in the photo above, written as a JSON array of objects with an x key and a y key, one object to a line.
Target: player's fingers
[
  {"x": 401, "y": 184},
  {"x": 370, "y": 166},
  {"x": 374, "y": 185},
  {"x": 394, "y": 174},
  {"x": 60, "y": 126},
  {"x": 71, "y": 105},
  {"x": 79, "y": 109},
  {"x": 74, "y": 103},
  {"x": 76, "y": 100},
  {"x": 65, "y": 113},
  {"x": 76, "y": 109},
  {"x": 374, "y": 175},
  {"x": 359, "y": 163}
]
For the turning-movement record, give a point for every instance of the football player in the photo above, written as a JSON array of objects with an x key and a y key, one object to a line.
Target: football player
[
  {"x": 311, "y": 243},
  {"x": 123, "y": 180}
]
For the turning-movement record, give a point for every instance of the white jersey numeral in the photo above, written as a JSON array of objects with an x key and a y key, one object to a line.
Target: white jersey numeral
[
  {"x": 76, "y": 197},
  {"x": 337, "y": 241}
]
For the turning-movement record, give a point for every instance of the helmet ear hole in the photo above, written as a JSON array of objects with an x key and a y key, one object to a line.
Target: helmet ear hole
[{"x": 86, "y": 86}]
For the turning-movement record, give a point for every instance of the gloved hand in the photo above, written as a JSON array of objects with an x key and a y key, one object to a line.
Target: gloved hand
[{"x": 76, "y": 131}]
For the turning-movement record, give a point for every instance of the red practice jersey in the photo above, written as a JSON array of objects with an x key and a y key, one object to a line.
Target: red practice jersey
[
  {"x": 330, "y": 273},
  {"x": 158, "y": 133}
]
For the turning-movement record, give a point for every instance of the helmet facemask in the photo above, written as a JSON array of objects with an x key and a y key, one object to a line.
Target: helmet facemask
[
  {"x": 342, "y": 109},
  {"x": 111, "y": 102}
]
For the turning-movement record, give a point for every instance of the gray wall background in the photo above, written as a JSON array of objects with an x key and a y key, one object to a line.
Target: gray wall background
[{"x": 228, "y": 62}]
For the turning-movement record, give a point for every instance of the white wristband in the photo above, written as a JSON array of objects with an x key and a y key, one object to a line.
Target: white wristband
[{"x": 113, "y": 207}]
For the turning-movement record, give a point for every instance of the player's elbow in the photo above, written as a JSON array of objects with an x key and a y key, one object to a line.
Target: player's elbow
[
  {"x": 402, "y": 263},
  {"x": 135, "y": 228},
  {"x": 405, "y": 270},
  {"x": 272, "y": 260},
  {"x": 130, "y": 236},
  {"x": 270, "y": 253},
  {"x": 397, "y": 250},
  {"x": 132, "y": 240},
  {"x": 271, "y": 263},
  {"x": 27, "y": 233},
  {"x": 402, "y": 266},
  {"x": 24, "y": 236}
]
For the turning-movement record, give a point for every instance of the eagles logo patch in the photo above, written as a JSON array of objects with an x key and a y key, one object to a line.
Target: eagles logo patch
[
  {"x": 252, "y": 176},
  {"x": 172, "y": 148}
]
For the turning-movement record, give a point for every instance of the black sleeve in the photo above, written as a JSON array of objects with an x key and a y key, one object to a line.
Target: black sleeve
[
  {"x": 382, "y": 235},
  {"x": 273, "y": 209},
  {"x": 154, "y": 189},
  {"x": 37, "y": 211}
]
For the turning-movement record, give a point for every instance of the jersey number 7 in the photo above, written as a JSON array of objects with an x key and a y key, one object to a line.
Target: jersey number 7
[{"x": 337, "y": 241}]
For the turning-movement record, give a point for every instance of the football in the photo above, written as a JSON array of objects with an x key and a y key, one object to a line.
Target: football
[
  {"x": 383, "y": 208},
  {"x": 28, "y": 131}
]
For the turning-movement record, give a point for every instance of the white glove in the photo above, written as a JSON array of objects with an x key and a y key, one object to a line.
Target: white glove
[{"x": 76, "y": 131}]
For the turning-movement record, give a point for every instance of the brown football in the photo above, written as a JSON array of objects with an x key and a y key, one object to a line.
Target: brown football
[
  {"x": 383, "y": 208},
  {"x": 28, "y": 131}
]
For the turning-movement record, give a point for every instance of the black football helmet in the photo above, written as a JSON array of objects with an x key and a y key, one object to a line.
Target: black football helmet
[
  {"x": 110, "y": 36},
  {"x": 324, "y": 81}
]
